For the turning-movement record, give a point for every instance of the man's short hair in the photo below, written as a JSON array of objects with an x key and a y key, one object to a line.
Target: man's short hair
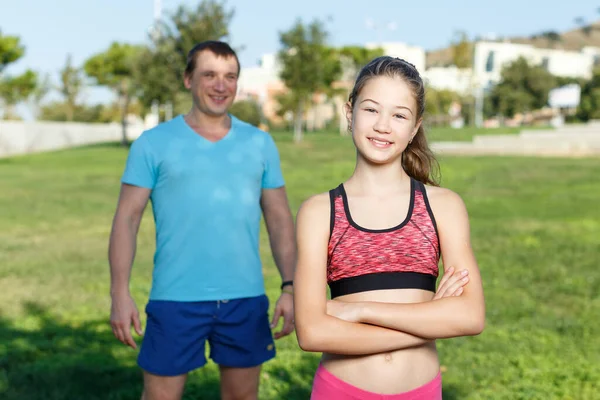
[{"x": 220, "y": 49}]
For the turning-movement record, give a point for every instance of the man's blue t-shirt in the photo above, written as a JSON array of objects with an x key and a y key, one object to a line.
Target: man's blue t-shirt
[{"x": 206, "y": 204}]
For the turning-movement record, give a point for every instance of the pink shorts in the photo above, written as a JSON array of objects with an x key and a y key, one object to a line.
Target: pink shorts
[{"x": 326, "y": 386}]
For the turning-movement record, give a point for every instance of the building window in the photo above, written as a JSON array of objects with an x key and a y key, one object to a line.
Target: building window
[
  {"x": 489, "y": 64},
  {"x": 545, "y": 63}
]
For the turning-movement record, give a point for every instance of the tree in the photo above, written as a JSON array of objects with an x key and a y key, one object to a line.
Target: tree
[
  {"x": 589, "y": 105},
  {"x": 586, "y": 28},
  {"x": 164, "y": 61},
  {"x": 41, "y": 90},
  {"x": 248, "y": 110},
  {"x": 70, "y": 87},
  {"x": 462, "y": 51},
  {"x": 522, "y": 88},
  {"x": 354, "y": 58},
  {"x": 308, "y": 66},
  {"x": 117, "y": 69},
  {"x": 210, "y": 21},
  {"x": 551, "y": 37},
  {"x": 11, "y": 50},
  {"x": 13, "y": 89}
]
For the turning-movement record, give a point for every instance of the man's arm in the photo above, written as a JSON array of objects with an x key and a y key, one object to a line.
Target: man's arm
[
  {"x": 315, "y": 329},
  {"x": 280, "y": 225},
  {"x": 121, "y": 253},
  {"x": 447, "y": 317}
]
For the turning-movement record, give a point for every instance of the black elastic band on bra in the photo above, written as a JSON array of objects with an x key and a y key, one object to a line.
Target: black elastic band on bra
[{"x": 382, "y": 281}]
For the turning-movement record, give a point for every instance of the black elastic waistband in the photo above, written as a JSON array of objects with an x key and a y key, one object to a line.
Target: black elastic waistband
[{"x": 382, "y": 281}]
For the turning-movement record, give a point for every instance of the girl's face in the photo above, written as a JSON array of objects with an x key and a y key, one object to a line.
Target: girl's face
[{"x": 384, "y": 119}]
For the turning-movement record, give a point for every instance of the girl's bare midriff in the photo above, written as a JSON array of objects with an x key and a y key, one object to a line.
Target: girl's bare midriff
[{"x": 393, "y": 372}]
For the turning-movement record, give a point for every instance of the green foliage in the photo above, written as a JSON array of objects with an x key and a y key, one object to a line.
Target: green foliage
[
  {"x": 438, "y": 101},
  {"x": 353, "y": 58},
  {"x": 248, "y": 111},
  {"x": 98, "y": 113},
  {"x": 115, "y": 67},
  {"x": 118, "y": 69},
  {"x": 71, "y": 84},
  {"x": 462, "y": 50},
  {"x": 360, "y": 56},
  {"x": 535, "y": 232},
  {"x": 589, "y": 105},
  {"x": 60, "y": 111},
  {"x": 209, "y": 21},
  {"x": 163, "y": 63},
  {"x": 522, "y": 88},
  {"x": 16, "y": 89},
  {"x": 309, "y": 66},
  {"x": 11, "y": 50}
]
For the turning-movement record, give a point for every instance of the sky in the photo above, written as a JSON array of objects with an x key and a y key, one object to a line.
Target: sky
[{"x": 52, "y": 29}]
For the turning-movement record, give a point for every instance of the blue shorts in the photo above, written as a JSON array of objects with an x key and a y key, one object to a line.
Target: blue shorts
[{"x": 238, "y": 332}]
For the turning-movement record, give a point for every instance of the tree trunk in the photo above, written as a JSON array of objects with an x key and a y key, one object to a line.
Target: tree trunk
[
  {"x": 125, "y": 99},
  {"x": 298, "y": 123},
  {"x": 70, "y": 111}
]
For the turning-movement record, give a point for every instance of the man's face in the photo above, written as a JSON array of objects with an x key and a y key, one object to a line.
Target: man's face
[{"x": 213, "y": 83}]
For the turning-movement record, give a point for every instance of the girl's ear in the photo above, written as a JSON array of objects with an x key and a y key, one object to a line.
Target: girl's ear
[{"x": 348, "y": 109}]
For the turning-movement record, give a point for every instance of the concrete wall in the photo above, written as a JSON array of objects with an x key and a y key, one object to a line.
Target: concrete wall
[{"x": 24, "y": 137}]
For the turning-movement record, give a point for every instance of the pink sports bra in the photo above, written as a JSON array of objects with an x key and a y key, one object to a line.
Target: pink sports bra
[{"x": 403, "y": 257}]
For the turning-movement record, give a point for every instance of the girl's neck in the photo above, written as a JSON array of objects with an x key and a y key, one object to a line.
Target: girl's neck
[{"x": 378, "y": 180}]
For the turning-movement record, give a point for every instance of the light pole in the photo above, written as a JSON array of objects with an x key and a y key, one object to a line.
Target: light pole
[{"x": 378, "y": 27}]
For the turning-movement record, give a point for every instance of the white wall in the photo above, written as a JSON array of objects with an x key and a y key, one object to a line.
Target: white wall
[
  {"x": 559, "y": 62},
  {"x": 256, "y": 80},
  {"x": 450, "y": 78},
  {"x": 24, "y": 137},
  {"x": 413, "y": 54}
]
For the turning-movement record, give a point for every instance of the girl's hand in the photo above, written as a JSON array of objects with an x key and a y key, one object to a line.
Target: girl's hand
[{"x": 452, "y": 283}]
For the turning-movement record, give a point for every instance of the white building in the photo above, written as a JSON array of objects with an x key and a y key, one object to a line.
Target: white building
[
  {"x": 255, "y": 81},
  {"x": 490, "y": 57},
  {"x": 449, "y": 78},
  {"x": 413, "y": 54}
]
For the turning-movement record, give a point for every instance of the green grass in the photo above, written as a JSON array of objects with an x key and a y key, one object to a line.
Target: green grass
[{"x": 536, "y": 233}]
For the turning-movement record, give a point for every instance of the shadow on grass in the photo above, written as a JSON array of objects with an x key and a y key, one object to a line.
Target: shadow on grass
[
  {"x": 52, "y": 359},
  {"x": 55, "y": 360}
]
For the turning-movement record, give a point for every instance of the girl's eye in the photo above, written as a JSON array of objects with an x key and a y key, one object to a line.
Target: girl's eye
[
  {"x": 400, "y": 116},
  {"x": 369, "y": 110}
]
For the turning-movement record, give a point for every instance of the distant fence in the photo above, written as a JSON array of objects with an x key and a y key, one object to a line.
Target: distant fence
[{"x": 24, "y": 137}]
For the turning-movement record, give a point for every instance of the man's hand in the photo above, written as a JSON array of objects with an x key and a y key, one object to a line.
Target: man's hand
[
  {"x": 452, "y": 283},
  {"x": 284, "y": 308},
  {"x": 122, "y": 313}
]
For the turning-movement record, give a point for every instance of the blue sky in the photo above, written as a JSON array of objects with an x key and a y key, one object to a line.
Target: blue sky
[{"x": 52, "y": 29}]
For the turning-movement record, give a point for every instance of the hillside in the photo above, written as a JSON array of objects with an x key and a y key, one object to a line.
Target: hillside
[{"x": 573, "y": 40}]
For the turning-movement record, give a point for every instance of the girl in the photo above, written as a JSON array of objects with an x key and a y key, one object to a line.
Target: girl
[{"x": 376, "y": 240}]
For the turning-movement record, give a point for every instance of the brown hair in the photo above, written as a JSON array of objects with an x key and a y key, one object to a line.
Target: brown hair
[
  {"x": 218, "y": 48},
  {"x": 417, "y": 159}
]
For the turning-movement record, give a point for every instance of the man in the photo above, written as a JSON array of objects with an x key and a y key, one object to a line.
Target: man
[{"x": 209, "y": 176}]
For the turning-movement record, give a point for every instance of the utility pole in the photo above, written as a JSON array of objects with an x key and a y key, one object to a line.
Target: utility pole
[
  {"x": 157, "y": 10},
  {"x": 155, "y": 29}
]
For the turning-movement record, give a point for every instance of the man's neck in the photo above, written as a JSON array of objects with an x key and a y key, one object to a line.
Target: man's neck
[{"x": 211, "y": 123}]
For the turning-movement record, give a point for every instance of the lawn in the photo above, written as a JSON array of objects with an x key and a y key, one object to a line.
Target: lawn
[{"x": 536, "y": 233}]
